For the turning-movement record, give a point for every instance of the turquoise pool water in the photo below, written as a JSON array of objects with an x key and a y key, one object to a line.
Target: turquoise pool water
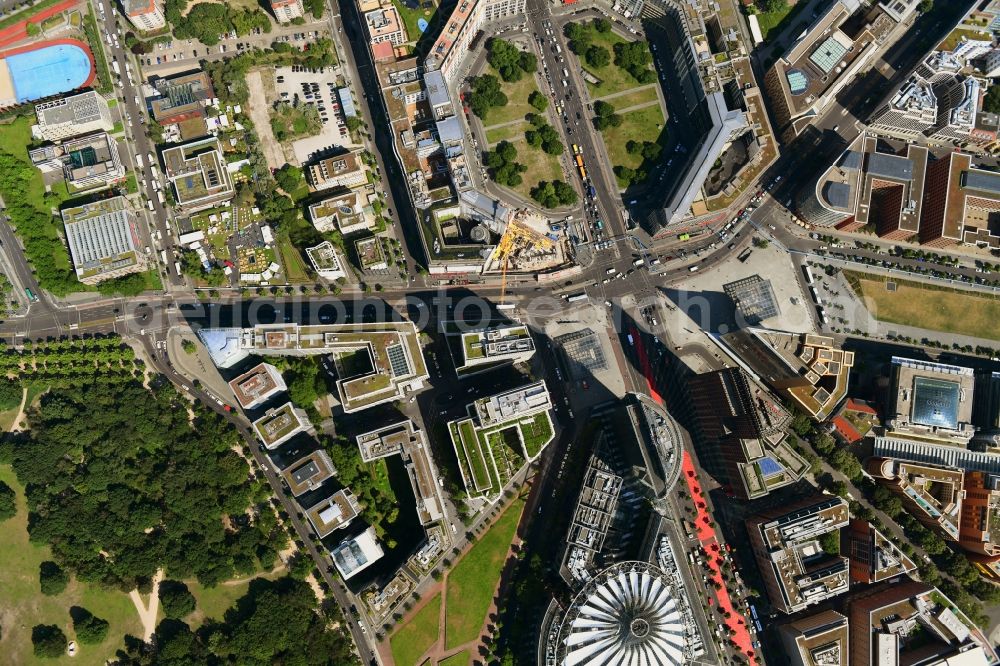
[{"x": 49, "y": 70}]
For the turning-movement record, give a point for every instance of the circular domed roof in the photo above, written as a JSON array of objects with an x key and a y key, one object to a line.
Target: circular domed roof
[{"x": 626, "y": 615}]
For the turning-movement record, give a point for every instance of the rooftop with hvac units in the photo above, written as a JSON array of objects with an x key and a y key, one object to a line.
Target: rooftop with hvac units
[
  {"x": 103, "y": 240},
  {"x": 375, "y": 363},
  {"x": 280, "y": 424}
]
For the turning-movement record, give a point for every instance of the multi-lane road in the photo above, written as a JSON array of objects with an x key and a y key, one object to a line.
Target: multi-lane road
[{"x": 128, "y": 88}]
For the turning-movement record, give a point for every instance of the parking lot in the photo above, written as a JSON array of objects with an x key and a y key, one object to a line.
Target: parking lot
[
  {"x": 298, "y": 85},
  {"x": 166, "y": 56}
]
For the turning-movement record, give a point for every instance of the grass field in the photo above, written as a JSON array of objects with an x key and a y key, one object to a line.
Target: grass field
[
  {"x": 633, "y": 98},
  {"x": 541, "y": 166},
  {"x": 291, "y": 260},
  {"x": 517, "y": 100},
  {"x": 949, "y": 311},
  {"x": 645, "y": 124},
  {"x": 954, "y": 38},
  {"x": 772, "y": 23},
  {"x": 506, "y": 133},
  {"x": 418, "y": 634},
  {"x": 457, "y": 659},
  {"x": 473, "y": 581},
  {"x": 475, "y": 458},
  {"x": 213, "y": 602},
  {"x": 536, "y": 434},
  {"x": 22, "y": 605},
  {"x": 613, "y": 78},
  {"x": 14, "y": 136}
]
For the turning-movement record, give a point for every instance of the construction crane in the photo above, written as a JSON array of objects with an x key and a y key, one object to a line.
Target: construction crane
[{"x": 516, "y": 236}]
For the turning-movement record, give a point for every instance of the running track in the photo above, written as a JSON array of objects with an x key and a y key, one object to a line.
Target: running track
[
  {"x": 706, "y": 533},
  {"x": 18, "y": 31}
]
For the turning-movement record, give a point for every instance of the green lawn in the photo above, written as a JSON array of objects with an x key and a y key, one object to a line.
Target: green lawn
[
  {"x": 506, "y": 133},
  {"x": 15, "y": 136},
  {"x": 291, "y": 260},
  {"x": 912, "y": 304},
  {"x": 417, "y": 634},
  {"x": 613, "y": 78},
  {"x": 213, "y": 602},
  {"x": 457, "y": 659},
  {"x": 643, "y": 124},
  {"x": 476, "y": 460},
  {"x": 541, "y": 166},
  {"x": 536, "y": 434},
  {"x": 473, "y": 582},
  {"x": 633, "y": 98},
  {"x": 772, "y": 23},
  {"x": 410, "y": 18},
  {"x": 22, "y": 605},
  {"x": 517, "y": 100},
  {"x": 954, "y": 38}
]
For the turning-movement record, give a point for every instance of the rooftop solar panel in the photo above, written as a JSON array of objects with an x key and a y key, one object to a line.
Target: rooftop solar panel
[{"x": 397, "y": 361}]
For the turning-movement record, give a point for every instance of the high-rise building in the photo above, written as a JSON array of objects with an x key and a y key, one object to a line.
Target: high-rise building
[
  {"x": 145, "y": 14},
  {"x": 466, "y": 20},
  {"x": 808, "y": 369},
  {"x": 874, "y": 557},
  {"x": 72, "y": 116},
  {"x": 83, "y": 162},
  {"x": 345, "y": 170},
  {"x": 939, "y": 202},
  {"x": 979, "y": 527},
  {"x": 910, "y": 622},
  {"x": 199, "y": 174},
  {"x": 824, "y": 59},
  {"x": 937, "y": 105},
  {"x": 798, "y": 571},
  {"x": 930, "y": 400},
  {"x": 741, "y": 429},
  {"x": 932, "y": 494},
  {"x": 287, "y": 10},
  {"x": 821, "y": 639}
]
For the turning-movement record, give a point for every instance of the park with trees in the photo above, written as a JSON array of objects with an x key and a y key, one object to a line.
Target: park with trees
[
  {"x": 163, "y": 487},
  {"x": 509, "y": 61}
]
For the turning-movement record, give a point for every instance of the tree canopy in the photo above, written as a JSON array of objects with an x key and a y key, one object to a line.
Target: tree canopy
[
  {"x": 8, "y": 502},
  {"x": 89, "y": 629},
  {"x": 538, "y": 100},
  {"x": 276, "y": 622},
  {"x": 597, "y": 56},
  {"x": 552, "y": 194},
  {"x": 176, "y": 599},
  {"x": 120, "y": 483},
  {"x": 991, "y": 102},
  {"x": 546, "y": 137},
  {"x": 503, "y": 165},
  {"x": 486, "y": 94},
  {"x": 48, "y": 640},
  {"x": 52, "y": 578},
  {"x": 208, "y": 22},
  {"x": 509, "y": 61},
  {"x": 635, "y": 58}
]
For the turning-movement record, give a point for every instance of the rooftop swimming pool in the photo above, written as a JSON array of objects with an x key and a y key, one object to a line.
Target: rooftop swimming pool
[{"x": 49, "y": 70}]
